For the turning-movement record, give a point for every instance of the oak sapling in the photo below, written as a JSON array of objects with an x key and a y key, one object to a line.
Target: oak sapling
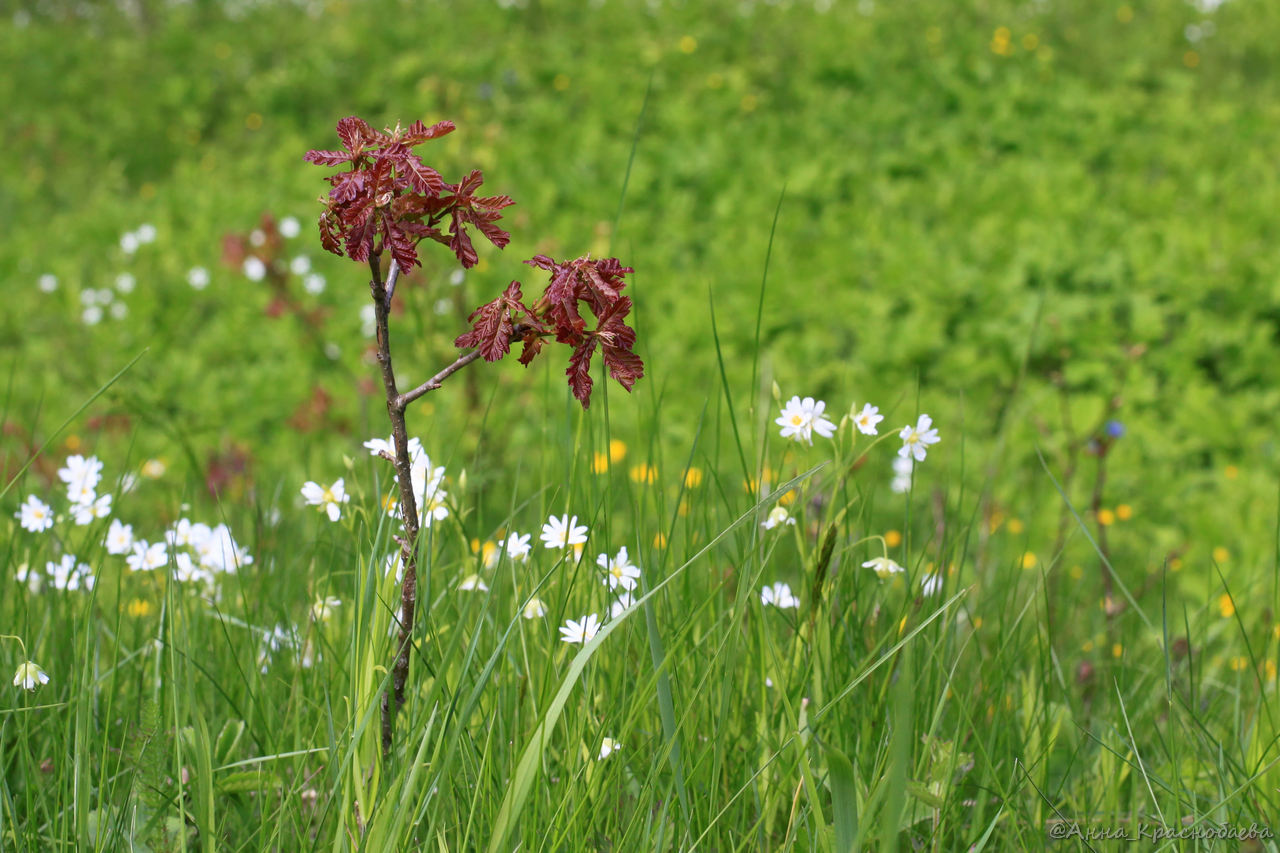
[{"x": 385, "y": 203}]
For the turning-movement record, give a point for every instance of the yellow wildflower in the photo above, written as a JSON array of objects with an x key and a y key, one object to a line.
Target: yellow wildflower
[{"x": 644, "y": 473}]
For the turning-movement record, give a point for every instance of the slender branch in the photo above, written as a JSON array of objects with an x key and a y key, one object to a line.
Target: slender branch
[
  {"x": 408, "y": 502},
  {"x": 434, "y": 382}
]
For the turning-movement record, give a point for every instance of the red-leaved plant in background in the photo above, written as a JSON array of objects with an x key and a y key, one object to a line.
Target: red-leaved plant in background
[{"x": 385, "y": 203}]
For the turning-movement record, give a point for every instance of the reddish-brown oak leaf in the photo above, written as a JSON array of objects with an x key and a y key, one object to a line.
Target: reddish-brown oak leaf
[
  {"x": 419, "y": 133},
  {"x": 378, "y": 203},
  {"x": 532, "y": 345},
  {"x": 579, "y": 371},
  {"x": 597, "y": 285},
  {"x": 494, "y": 325},
  {"x": 467, "y": 208},
  {"x": 356, "y": 133},
  {"x": 561, "y": 299},
  {"x": 616, "y": 340}
]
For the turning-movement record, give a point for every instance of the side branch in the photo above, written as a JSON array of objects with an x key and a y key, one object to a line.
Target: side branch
[
  {"x": 403, "y": 400},
  {"x": 434, "y": 382}
]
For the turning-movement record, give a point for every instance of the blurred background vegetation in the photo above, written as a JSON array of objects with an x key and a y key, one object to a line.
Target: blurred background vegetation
[{"x": 1023, "y": 218}]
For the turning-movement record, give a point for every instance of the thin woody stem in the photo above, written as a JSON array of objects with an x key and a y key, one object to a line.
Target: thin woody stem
[
  {"x": 435, "y": 381},
  {"x": 408, "y": 503},
  {"x": 396, "y": 405}
]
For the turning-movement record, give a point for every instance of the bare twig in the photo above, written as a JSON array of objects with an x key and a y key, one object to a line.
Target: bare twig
[{"x": 433, "y": 383}]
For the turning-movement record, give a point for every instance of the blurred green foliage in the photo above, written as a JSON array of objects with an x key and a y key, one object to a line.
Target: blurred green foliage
[{"x": 1074, "y": 203}]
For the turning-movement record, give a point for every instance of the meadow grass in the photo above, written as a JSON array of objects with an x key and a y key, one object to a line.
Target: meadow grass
[{"x": 1049, "y": 228}]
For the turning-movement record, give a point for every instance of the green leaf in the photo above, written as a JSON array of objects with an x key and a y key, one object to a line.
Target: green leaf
[{"x": 844, "y": 797}]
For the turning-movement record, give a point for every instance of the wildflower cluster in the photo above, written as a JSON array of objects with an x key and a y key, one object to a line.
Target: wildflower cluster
[
  {"x": 425, "y": 478},
  {"x": 779, "y": 595},
  {"x": 621, "y": 576},
  {"x": 801, "y": 419},
  {"x": 427, "y": 481},
  {"x": 561, "y": 535},
  {"x": 82, "y": 477},
  {"x": 197, "y": 552}
]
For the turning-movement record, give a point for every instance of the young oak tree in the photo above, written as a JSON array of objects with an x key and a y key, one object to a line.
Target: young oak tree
[{"x": 384, "y": 203}]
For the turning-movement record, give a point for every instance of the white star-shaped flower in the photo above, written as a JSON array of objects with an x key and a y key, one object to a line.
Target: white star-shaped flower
[
  {"x": 119, "y": 537},
  {"x": 329, "y": 499},
  {"x": 580, "y": 630},
  {"x": 800, "y": 419},
  {"x": 81, "y": 473},
  {"x": 30, "y": 676},
  {"x": 619, "y": 571},
  {"x": 562, "y": 532},
  {"x": 69, "y": 575},
  {"x": 146, "y": 557},
  {"x": 35, "y": 515},
  {"x": 518, "y": 547},
  {"x": 867, "y": 419},
  {"x": 883, "y": 567},
  {"x": 916, "y": 438},
  {"x": 219, "y": 551},
  {"x": 778, "y": 595},
  {"x": 186, "y": 570},
  {"x": 85, "y": 513}
]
